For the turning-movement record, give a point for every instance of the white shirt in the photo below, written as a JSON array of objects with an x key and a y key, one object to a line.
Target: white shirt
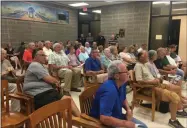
[
  {"x": 139, "y": 50},
  {"x": 88, "y": 50},
  {"x": 47, "y": 51},
  {"x": 171, "y": 60}
]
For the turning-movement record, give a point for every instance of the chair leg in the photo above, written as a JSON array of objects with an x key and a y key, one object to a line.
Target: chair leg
[
  {"x": 158, "y": 105},
  {"x": 153, "y": 111}
]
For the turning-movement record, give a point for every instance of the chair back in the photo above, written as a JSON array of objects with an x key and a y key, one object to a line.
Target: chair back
[
  {"x": 24, "y": 66},
  {"x": 51, "y": 115},
  {"x": 4, "y": 96},
  {"x": 132, "y": 76},
  {"x": 86, "y": 99},
  {"x": 19, "y": 83}
]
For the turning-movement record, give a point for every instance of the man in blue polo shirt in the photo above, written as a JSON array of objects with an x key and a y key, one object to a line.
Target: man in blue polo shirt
[
  {"x": 111, "y": 98},
  {"x": 93, "y": 64},
  {"x": 93, "y": 68}
]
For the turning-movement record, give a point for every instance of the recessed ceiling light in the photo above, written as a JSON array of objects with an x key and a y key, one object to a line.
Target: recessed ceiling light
[
  {"x": 180, "y": 9},
  {"x": 161, "y": 2},
  {"x": 79, "y": 4},
  {"x": 82, "y": 13},
  {"x": 96, "y": 11}
]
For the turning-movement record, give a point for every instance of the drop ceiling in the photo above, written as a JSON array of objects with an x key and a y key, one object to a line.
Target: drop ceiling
[{"x": 92, "y": 4}]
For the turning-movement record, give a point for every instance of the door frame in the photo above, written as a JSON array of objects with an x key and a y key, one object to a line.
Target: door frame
[{"x": 170, "y": 22}]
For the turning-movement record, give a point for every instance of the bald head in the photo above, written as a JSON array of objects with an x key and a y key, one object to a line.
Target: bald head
[{"x": 143, "y": 56}]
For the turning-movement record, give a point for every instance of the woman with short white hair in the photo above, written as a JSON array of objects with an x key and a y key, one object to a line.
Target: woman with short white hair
[{"x": 83, "y": 55}]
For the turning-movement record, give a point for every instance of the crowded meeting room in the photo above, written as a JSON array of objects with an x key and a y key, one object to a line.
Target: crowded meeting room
[{"x": 94, "y": 64}]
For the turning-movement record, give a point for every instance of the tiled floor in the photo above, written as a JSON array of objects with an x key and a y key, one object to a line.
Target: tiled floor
[{"x": 161, "y": 120}]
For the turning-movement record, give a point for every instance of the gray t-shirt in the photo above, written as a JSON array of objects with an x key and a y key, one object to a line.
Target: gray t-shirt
[{"x": 33, "y": 81}]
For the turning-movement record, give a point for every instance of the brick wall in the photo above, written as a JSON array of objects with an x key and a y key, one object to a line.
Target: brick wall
[
  {"x": 15, "y": 31},
  {"x": 134, "y": 17}
]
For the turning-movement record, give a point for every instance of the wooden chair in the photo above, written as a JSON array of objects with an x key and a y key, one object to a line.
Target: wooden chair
[
  {"x": 86, "y": 98},
  {"x": 28, "y": 109},
  {"x": 31, "y": 108},
  {"x": 10, "y": 119},
  {"x": 138, "y": 98},
  {"x": 24, "y": 66},
  {"x": 56, "y": 111},
  {"x": 86, "y": 77}
]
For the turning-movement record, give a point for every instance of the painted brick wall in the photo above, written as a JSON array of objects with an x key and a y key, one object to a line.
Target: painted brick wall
[
  {"x": 134, "y": 17},
  {"x": 15, "y": 31}
]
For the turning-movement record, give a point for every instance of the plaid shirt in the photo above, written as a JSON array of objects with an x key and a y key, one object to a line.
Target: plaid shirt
[{"x": 59, "y": 59}]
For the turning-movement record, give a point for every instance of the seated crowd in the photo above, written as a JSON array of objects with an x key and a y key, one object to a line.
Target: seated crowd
[{"x": 51, "y": 64}]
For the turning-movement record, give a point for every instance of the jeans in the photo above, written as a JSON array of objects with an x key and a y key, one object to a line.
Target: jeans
[{"x": 136, "y": 121}]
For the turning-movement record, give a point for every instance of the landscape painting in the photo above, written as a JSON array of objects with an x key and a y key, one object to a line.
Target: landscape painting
[{"x": 31, "y": 11}]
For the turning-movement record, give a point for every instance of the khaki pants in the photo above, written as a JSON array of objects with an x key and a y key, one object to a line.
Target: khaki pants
[
  {"x": 100, "y": 78},
  {"x": 15, "y": 104},
  {"x": 71, "y": 78}
]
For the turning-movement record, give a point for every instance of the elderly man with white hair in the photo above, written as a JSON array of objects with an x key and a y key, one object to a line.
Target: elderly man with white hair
[
  {"x": 110, "y": 98},
  {"x": 59, "y": 61},
  {"x": 47, "y": 48}
]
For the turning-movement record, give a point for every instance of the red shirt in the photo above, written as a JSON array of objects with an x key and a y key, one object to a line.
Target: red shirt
[{"x": 27, "y": 56}]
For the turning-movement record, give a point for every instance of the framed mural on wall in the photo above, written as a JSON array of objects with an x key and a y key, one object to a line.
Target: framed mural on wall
[{"x": 33, "y": 12}]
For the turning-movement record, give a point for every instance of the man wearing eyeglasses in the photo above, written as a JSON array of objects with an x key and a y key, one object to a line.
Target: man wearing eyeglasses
[
  {"x": 42, "y": 86},
  {"x": 110, "y": 98},
  {"x": 93, "y": 67}
]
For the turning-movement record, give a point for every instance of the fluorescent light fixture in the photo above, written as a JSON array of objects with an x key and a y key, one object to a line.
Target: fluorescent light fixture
[
  {"x": 179, "y": 2},
  {"x": 161, "y": 2},
  {"x": 109, "y": 1},
  {"x": 78, "y": 4},
  {"x": 82, "y": 13},
  {"x": 180, "y": 9},
  {"x": 96, "y": 11}
]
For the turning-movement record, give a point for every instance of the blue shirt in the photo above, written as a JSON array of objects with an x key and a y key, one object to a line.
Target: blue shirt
[
  {"x": 92, "y": 64},
  {"x": 83, "y": 56},
  {"x": 109, "y": 100}
]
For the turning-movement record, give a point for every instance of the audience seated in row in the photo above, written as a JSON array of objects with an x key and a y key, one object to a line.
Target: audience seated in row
[{"x": 164, "y": 92}]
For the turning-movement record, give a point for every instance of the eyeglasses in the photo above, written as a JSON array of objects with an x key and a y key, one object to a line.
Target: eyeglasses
[{"x": 123, "y": 72}]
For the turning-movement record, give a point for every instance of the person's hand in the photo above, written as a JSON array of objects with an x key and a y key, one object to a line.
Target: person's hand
[
  {"x": 4, "y": 73},
  {"x": 161, "y": 80},
  {"x": 156, "y": 81},
  {"x": 100, "y": 72},
  {"x": 129, "y": 115},
  {"x": 173, "y": 72},
  {"x": 70, "y": 67},
  {"x": 129, "y": 124}
]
